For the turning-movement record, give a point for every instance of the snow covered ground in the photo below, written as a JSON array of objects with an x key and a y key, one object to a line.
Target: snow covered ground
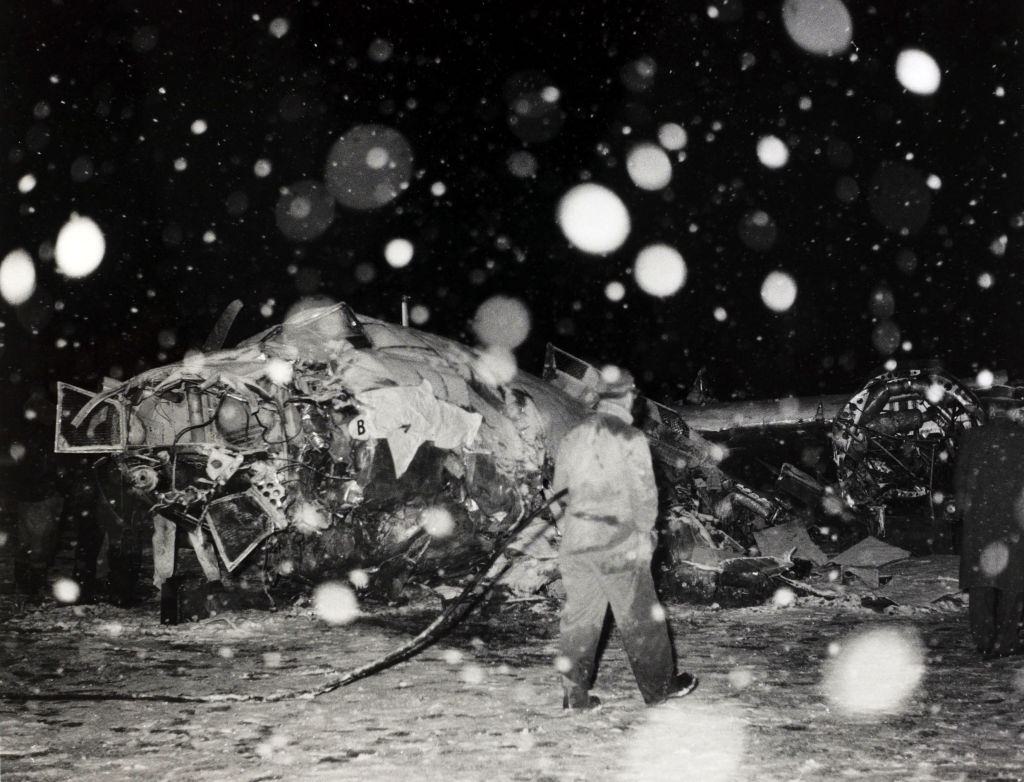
[{"x": 774, "y": 701}]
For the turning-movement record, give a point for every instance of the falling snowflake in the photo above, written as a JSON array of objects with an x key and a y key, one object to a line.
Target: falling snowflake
[
  {"x": 918, "y": 72},
  {"x": 80, "y": 247},
  {"x": 594, "y": 219},
  {"x": 874, "y": 671}
]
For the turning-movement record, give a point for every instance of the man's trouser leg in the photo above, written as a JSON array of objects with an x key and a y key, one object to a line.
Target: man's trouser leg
[
  {"x": 38, "y": 536},
  {"x": 640, "y": 618},
  {"x": 580, "y": 629},
  {"x": 165, "y": 535},
  {"x": 205, "y": 553},
  {"x": 982, "y": 611},
  {"x": 1008, "y": 616},
  {"x": 87, "y": 550}
]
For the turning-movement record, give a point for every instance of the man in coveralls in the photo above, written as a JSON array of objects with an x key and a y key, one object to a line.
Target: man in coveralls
[{"x": 605, "y": 555}]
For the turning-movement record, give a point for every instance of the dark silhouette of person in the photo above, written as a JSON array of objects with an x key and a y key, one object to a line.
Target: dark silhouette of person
[{"x": 990, "y": 494}]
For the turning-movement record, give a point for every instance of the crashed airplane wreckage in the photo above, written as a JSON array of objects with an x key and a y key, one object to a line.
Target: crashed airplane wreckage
[
  {"x": 336, "y": 443},
  {"x": 893, "y": 443}
]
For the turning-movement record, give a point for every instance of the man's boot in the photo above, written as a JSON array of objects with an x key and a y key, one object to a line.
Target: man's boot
[{"x": 578, "y": 699}]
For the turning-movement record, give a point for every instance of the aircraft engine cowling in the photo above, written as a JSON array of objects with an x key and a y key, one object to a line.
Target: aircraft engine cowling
[{"x": 897, "y": 437}]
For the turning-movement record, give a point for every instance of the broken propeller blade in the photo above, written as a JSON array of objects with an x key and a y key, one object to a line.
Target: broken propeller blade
[{"x": 219, "y": 334}]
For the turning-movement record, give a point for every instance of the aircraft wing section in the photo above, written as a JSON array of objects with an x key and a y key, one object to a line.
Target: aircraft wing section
[{"x": 762, "y": 413}]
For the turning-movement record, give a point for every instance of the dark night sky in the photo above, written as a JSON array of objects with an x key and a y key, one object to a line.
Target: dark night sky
[{"x": 99, "y": 99}]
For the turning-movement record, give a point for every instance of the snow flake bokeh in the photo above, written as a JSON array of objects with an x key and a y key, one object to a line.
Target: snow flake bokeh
[
  {"x": 17, "y": 277},
  {"x": 649, "y": 167},
  {"x": 502, "y": 321},
  {"x": 874, "y": 671},
  {"x": 368, "y": 167},
  {"x": 594, "y": 219},
  {"x": 335, "y": 603},
  {"x": 685, "y": 739},
  {"x": 80, "y": 247},
  {"x": 660, "y": 270}
]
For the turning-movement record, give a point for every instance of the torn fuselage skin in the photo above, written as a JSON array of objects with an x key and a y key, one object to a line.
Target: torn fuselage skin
[{"x": 335, "y": 431}]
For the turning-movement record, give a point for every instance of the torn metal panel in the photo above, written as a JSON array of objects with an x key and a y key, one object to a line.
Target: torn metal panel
[
  {"x": 870, "y": 552},
  {"x": 101, "y": 429},
  {"x": 789, "y": 540},
  {"x": 409, "y": 416},
  {"x": 922, "y": 580},
  {"x": 239, "y": 523}
]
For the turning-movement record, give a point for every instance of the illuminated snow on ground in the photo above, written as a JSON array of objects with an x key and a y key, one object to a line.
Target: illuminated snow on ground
[
  {"x": 758, "y": 714},
  {"x": 918, "y": 72},
  {"x": 874, "y": 671},
  {"x": 594, "y": 219},
  {"x": 685, "y": 740},
  {"x": 17, "y": 277},
  {"x": 80, "y": 247}
]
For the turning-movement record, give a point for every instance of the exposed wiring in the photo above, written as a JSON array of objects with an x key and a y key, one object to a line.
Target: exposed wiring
[
  {"x": 284, "y": 424},
  {"x": 174, "y": 444},
  {"x": 295, "y": 463}
]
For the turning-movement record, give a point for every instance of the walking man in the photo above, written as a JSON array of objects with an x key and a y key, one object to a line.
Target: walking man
[{"x": 605, "y": 555}]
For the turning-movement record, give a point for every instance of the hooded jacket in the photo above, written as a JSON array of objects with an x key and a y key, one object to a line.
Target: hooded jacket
[{"x": 613, "y": 502}]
